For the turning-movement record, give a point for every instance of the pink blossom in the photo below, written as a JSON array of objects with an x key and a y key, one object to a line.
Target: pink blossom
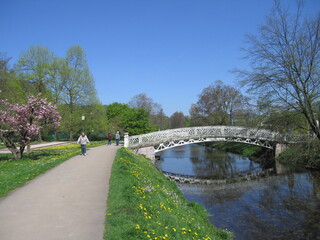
[{"x": 26, "y": 120}]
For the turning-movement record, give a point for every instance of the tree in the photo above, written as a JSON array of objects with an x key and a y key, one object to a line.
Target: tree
[
  {"x": 78, "y": 88},
  {"x": 96, "y": 121},
  {"x": 115, "y": 116},
  {"x": 177, "y": 120},
  {"x": 155, "y": 110},
  {"x": 285, "y": 61},
  {"x": 9, "y": 83},
  {"x": 158, "y": 118},
  {"x": 34, "y": 67},
  {"x": 56, "y": 82},
  {"x": 217, "y": 105},
  {"x": 125, "y": 119},
  {"x": 286, "y": 122},
  {"x": 142, "y": 101},
  {"x": 136, "y": 121},
  {"x": 23, "y": 122}
]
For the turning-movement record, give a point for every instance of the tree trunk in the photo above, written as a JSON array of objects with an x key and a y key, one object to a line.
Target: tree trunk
[
  {"x": 7, "y": 137},
  {"x": 40, "y": 136},
  {"x": 16, "y": 153},
  {"x": 28, "y": 148},
  {"x": 70, "y": 137}
]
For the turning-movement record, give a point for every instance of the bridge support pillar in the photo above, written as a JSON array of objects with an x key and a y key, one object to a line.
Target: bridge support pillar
[
  {"x": 148, "y": 152},
  {"x": 279, "y": 148},
  {"x": 126, "y": 140}
]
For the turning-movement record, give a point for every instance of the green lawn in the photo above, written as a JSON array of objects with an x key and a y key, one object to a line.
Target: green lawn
[{"x": 143, "y": 204}]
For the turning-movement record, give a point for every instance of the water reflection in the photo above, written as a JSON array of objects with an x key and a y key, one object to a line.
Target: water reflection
[
  {"x": 277, "y": 207},
  {"x": 205, "y": 162}
]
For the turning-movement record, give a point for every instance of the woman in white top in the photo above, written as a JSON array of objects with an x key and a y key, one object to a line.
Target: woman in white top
[{"x": 83, "y": 140}]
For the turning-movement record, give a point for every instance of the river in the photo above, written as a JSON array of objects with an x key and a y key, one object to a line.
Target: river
[{"x": 282, "y": 206}]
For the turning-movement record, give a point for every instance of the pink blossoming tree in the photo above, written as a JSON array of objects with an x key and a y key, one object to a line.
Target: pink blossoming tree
[{"x": 19, "y": 124}]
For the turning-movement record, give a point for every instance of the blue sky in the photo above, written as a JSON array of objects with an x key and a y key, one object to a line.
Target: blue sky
[{"x": 169, "y": 49}]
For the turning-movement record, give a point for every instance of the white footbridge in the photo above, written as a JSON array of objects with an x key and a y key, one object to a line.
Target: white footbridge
[{"x": 150, "y": 143}]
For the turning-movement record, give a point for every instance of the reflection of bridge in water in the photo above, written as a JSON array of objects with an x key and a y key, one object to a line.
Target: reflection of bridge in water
[
  {"x": 184, "y": 178},
  {"x": 149, "y": 144}
]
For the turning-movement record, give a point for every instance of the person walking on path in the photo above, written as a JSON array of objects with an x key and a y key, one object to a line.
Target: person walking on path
[
  {"x": 117, "y": 138},
  {"x": 83, "y": 140},
  {"x": 109, "y": 138}
]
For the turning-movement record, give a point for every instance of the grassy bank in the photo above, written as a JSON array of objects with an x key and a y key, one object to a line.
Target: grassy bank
[
  {"x": 143, "y": 204},
  {"x": 299, "y": 155},
  {"x": 239, "y": 148},
  {"x": 15, "y": 173},
  {"x": 306, "y": 155}
]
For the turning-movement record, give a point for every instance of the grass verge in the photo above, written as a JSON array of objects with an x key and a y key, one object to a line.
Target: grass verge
[
  {"x": 15, "y": 173},
  {"x": 143, "y": 204}
]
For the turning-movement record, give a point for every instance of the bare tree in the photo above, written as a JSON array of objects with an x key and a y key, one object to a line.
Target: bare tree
[
  {"x": 177, "y": 120},
  {"x": 217, "y": 105},
  {"x": 156, "y": 114},
  {"x": 285, "y": 60},
  {"x": 141, "y": 101}
]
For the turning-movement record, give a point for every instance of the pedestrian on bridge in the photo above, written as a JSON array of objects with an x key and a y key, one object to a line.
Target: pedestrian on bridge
[{"x": 83, "y": 140}]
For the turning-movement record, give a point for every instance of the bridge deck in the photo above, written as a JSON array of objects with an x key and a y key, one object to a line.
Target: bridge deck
[{"x": 161, "y": 140}]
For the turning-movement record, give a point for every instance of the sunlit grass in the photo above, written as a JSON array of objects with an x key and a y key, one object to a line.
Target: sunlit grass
[
  {"x": 143, "y": 204},
  {"x": 15, "y": 173}
]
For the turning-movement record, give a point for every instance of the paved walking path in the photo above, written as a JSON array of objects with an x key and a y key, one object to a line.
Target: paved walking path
[{"x": 67, "y": 202}]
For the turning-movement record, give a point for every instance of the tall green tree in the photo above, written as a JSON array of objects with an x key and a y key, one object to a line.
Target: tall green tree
[
  {"x": 78, "y": 89},
  {"x": 116, "y": 113},
  {"x": 285, "y": 62},
  {"x": 96, "y": 121},
  {"x": 125, "y": 119},
  {"x": 33, "y": 68},
  {"x": 10, "y": 86},
  {"x": 136, "y": 121},
  {"x": 56, "y": 83},
  {"x": 79, "y": 86}
]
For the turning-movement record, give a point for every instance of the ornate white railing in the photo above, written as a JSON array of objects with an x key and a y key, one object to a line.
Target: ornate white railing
[{"x": 161, "y": 140}]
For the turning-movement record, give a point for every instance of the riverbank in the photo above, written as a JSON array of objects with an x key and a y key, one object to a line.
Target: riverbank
[
  {"x": 305, "y": 155},
  {"x": 300, "y": 155},
  {"x": 239, "y": 148},
  {"x": 143, "y": 204}
]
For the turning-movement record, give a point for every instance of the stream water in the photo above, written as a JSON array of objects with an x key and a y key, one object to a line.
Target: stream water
[{"x": 283, "y": 206}]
